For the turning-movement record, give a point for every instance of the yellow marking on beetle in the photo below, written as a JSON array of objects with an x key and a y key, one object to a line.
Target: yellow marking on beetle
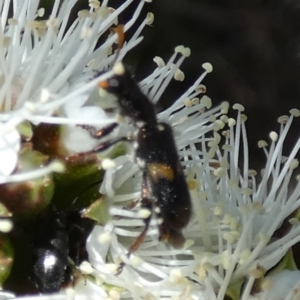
[{"x": 157, "y": 171}]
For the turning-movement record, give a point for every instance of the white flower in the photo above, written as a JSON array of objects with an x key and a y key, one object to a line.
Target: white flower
[
  {"x": 9, "y": 147},
  {"x": 48, "y": 75},
  {"x": 229, "y": 239},
  {"x": 242, "y": 214},
  {"x": 46, "y": 55},
  {"x": 46, "y": 64},
  {"x": 154, "y": 270},
  {"x": 282, "y": 285}
]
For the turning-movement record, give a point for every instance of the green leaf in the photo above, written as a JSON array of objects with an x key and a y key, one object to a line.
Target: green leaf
[{"x": 6, "y": 258}]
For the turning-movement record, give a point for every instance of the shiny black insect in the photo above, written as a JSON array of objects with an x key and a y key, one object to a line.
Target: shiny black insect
[
  {"x": 156, "y": 155},
  {"x": 58, "y": 235}
]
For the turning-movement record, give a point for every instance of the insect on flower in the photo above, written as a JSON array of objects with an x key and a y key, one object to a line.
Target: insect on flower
[
  {"x": 156, "y": 155},
  {"x": 59, "y": 235},
  {"x": 163, "y": 182}
]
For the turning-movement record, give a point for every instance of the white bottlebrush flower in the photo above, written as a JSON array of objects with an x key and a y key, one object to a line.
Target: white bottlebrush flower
[
  {"x": 48, "y": 74},
  {"x": 243, "y": 213},
  {"x": 231, "y": 238},
  {"x": 9, "y": 147},
  {"x": 193, "y": 121},
  {"x": 46, "y": 64},
  {"x": 282, "y": 285}
]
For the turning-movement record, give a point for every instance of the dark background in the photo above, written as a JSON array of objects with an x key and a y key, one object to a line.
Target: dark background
[{"x": 254, "y": 49}]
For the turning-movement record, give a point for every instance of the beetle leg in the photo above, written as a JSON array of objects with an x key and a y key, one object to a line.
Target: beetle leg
[
  {"x": 108, "y": 144},
  {"x": 146, "y": 203},
  {"x": 98, "y": 134},
  {"x": 105, "y": 145}
]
